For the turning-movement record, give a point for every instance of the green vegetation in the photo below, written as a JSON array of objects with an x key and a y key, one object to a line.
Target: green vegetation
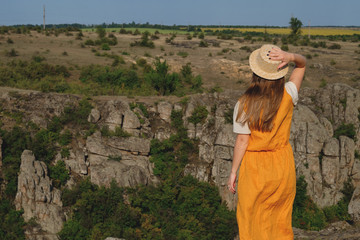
[
  {"x": 183, "y": 54},
  {"x": 44, "y": 144},
  {"x": 199, "y": 115},
  {"x": 307, "y": 215},
  {"x": 323, "y": 83},
  {"x": 145, "y": 41},
  {"x": 203, "y": 44},
  {"x": 96, "y": 79},
  {"x": 118, "y": 132},
  {"x": 345, "y": 130},
  {"x": 59, "y": 174},
  {"x": 228, "y": 115},
  {"x": 339, "y": 212},
  {"x": 179, "y": 207},
  {"x": 11, "y": 221}
]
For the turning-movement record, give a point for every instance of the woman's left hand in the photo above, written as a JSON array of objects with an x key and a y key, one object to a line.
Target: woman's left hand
[
  {"x": 277, "y": 54},
  {"x": 231, "y": 183}
]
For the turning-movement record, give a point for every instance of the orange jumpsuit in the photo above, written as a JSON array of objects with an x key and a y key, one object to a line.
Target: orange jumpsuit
[{"x": 267, "y": 181}]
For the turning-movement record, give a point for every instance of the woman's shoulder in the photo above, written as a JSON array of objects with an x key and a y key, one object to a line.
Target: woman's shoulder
[{"x": 291, "y": 89}]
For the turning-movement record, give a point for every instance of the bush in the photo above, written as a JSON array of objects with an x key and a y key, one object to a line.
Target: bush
[
  {"x": 9, "y": 41},
  {"x": 105, "y": 46},
  {"x": 335, "y": 46},
  {"x": 119, "y": 132},
  {"x": 182, "y": 54},
  {"x": 306, "y": 214},
  {"x": 145, "y": 41},
  {"x": 11, "y": 53},
  {"x": 203, "y": 44},
  {"x": 59, "y": 174},
  {"x": 12, "y": 224},
  {"x": 89, "y": 42},
  {"x": 246, "y": 48},
  {"x": 65, "y": 138},
  {"x": 106, "y": 76},
  {"x": 285, "y": 48},
  {"x": 161, "y": 80},
  {"x": 199, "y": 115},
  {"x": 345, "y": 130},
  {"x": 101, "y": 32}
]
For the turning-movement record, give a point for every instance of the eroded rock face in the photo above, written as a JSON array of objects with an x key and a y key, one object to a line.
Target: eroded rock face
[
  {"x": 36, "y": 195},
  {"x": 325, "y": 161},
  {"x": 123, "y": 159},
  {"x": 354, "y": 205}
]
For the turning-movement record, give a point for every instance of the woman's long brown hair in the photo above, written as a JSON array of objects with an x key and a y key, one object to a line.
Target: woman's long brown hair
[{"x": 260, "y": 103}]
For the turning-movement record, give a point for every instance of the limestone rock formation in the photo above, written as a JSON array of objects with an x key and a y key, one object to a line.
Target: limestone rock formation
[
  {"x": 354, "y": 205},
  {"x": 36, "y": 195},
  {"x": 326, "y": 160},
  {"x": 123, "y": 159}
]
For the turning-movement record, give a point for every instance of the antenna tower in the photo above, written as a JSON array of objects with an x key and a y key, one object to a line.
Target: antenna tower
[{"x": 44, "y": 17}]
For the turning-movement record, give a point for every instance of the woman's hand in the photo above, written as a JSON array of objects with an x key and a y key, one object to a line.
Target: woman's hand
[
  {"x": 231, "y": 183},
  {"x": 277, "y": 54}
]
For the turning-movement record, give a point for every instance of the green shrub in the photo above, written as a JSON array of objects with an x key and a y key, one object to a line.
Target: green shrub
[
  {"x": 285, "y": 47},
  {"x": 145, "y": 41},
  {"x": 14, "y": 143},
  {"x": 11, "y": 53},
  {"x": 141, "y": 62},
  {"x": 228, "y": 115},
  {"x": 105, "y": 46},
  {"x": 323, "y": 83},
  {"x": 89, "y": 42},
  {"x": 306, "y": 214},
  {"x": 246, "y": 48},
  {"x": 118, "y": 132},
  {"x": 9, "y": 41},
  {"x": 159, "y": 78},
  {"x": 59, "y": 174},
  {"x": 107, "y": 76},
  {"x": 199, "y": 115},
  {"x": 335, "y": 46},
  {"x": 65, "y": 138},
  {"x": 203, "y": 44},
  {"x": 12, "y": 224},
  {"x": 183, "y": 54},
  {"x": 345, "y": 130}
]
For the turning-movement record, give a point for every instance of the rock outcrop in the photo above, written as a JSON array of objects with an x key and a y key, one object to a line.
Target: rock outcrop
[
  {"x": 123, "y": 159},
  {"x": 326, "y": 160},
  {"x": 39, "y": 199}
]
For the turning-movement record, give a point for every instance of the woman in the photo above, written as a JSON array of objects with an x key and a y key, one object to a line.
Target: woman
[{"x": 262, "y": 119}]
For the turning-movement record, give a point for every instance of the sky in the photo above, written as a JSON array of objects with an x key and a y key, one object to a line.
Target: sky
[{"x": 185, "y": 12}]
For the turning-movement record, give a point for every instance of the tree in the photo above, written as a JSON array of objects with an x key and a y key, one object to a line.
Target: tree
[
  {"x": 295, "y": 25},
  {"x": 101, "y": 32}
]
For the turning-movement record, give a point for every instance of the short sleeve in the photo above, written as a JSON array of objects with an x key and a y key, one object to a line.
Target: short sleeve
[
  {"x": 238, "y": 127},
  {"x": 292, "y": 91}
]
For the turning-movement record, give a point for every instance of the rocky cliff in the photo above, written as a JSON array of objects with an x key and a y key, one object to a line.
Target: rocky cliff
[{"x": 326, "y": 160}]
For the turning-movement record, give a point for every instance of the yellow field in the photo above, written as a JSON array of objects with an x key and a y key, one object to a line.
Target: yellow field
[{"x": 305, "y": 31}]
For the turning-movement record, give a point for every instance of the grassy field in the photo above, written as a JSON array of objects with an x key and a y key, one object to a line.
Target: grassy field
[
  {"x": 151, "y": 30},
  {"x": 305, "y": 31}
]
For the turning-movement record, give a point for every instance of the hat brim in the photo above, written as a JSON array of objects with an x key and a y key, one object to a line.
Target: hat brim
[{"x": 256, "y": 68}]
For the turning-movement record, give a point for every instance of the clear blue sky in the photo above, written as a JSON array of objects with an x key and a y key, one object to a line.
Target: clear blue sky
[{"x": 169, "y": 12}]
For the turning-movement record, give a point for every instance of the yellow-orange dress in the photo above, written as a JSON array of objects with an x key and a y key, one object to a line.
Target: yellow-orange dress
[{"x": 267, "y": 181}]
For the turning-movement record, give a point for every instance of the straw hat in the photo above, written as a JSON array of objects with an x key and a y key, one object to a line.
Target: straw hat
[{"x": 264, "y": 67}]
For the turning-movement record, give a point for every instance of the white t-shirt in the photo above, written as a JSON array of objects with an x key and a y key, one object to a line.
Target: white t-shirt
[{"x": 240, "y": 128}]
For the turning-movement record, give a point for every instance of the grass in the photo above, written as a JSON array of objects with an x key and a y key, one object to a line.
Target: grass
[
  {"x": 150, "y": 30},
  {"x": 305, "y": 31}
]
